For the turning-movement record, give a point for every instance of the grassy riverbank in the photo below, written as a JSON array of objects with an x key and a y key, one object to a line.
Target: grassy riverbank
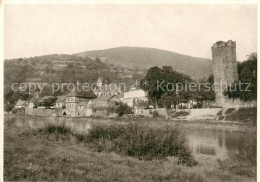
[{"x": 59, "y": 154}]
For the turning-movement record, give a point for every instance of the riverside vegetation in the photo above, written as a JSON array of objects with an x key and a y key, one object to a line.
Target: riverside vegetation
[
  {"x": 115, "y": 152},
  {"x": 245, "y": 115},
  {"x": 133, "y": 140}
]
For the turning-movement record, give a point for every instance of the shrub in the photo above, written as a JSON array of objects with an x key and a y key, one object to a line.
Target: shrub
[
  {"x": 56, "y": 132},
  {"x": 141, "y": 142},
  {"x": 181, "y": 113},
  {"x": 171, "y": 112},
  {"x": 8, "y": 107},
  {"x": 243, "y": 115},
  {"x": 229, "y": 111},
  {"x": 221, "y": 117},
  {"x": 219, "y": 113},
  {"x": 123, "y": 109},
  {"x": 111, "y": 109},
  {"x": 155, "y": 114},
  {"x": 133, "y": 140},
  {"x": 49, "y": 101},
  {"x": 60, "y": 129}
]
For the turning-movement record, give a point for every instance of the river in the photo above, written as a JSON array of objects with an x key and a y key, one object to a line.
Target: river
[{"x": 212, "y": 143}]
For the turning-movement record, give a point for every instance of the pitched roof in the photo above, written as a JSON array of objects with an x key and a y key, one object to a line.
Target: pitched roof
[
  {"x": 21, "y": 102},
  {"x": 108, "y": 88},
  {"x": 104, "y": 98},
  {"x": 76, "y": 93},
  {"x": 61, "y": 98},
  {"x": 45, "y": 97}
]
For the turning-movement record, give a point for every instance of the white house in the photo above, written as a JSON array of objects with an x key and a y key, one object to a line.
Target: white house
[
  {"x": 20, "y": 104},
  {"x": 106, "y": 101},
  {"x": 134, "y": 96},
  {"x": 76, "y": 97}
]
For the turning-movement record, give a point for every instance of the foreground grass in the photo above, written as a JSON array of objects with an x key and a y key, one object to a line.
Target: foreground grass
[
  {"x": 55, "y": 154},
  {"x": 37, "y": 157}
]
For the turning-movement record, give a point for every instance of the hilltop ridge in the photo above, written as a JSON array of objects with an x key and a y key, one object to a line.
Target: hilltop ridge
[{"x": 141, "y": 57}]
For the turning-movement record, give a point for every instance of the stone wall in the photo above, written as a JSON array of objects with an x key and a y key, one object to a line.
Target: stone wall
[
  {"x": 149, "y": 112},
  {"x": 59, "y": 111},
  {"x": 101, "y": 113},
  {"x": 39, "y": 112},
  {"x": 201, "y": 114}
]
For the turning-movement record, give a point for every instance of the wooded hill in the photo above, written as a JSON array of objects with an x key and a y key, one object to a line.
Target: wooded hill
[{"x": 140, "y": 57}]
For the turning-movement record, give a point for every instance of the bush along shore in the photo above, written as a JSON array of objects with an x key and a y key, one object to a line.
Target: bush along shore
[
  {"x": 239, "y": 115},
  {"x": 134, "y": 140}
]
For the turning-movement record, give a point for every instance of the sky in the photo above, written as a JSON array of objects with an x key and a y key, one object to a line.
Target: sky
[{"x": 34, "y": 30}]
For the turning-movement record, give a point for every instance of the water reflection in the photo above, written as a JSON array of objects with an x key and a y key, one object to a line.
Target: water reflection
[
  {"x": 205, "y": 149},
  {"x": 81, "y": 126},
  {"x": 217, "y": 143}
]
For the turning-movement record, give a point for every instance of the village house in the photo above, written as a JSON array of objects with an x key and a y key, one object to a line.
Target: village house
[
  {"x": 20, "y": 104},
  {"x": 75, "y": 99},
  {"x": 105, "y": 89},
  {"x": 61, "y": 101},
  {"x": 106, "y": 101},
  {"x": 135, "y": 97},
  {"x": 84, "y": 109},
  {"x": 81, "y": 109}
]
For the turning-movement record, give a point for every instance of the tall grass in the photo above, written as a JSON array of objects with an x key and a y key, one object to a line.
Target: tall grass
[
  {"x": 59, "y": 129},
  {"x": 229, "y": 111},
  {"x": 56, "y": 132},
  {"x": 135, "y": 140},
  {"x": 141, "y": 142},
  {"x": 181, "y": 113}
]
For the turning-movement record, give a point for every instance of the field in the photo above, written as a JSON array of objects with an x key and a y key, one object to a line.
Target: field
[{"x": 57, "y": 153}]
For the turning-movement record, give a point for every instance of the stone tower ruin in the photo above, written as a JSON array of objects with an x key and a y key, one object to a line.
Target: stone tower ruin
[{"x": 224, "y": 68}]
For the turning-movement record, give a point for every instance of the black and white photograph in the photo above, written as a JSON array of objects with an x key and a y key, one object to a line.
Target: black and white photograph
[{"x": 130, "y": 92}]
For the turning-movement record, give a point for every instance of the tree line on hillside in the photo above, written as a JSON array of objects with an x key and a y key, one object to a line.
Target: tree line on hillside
[{"x": 57, "y": 69}]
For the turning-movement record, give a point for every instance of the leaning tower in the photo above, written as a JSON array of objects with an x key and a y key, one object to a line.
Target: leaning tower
[{"x": 224, "y": 68}]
